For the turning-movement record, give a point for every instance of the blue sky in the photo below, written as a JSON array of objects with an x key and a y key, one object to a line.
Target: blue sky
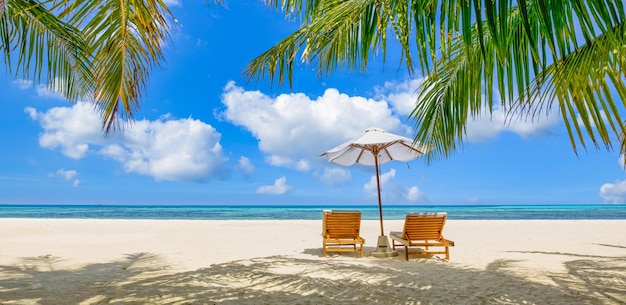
[{"x": 206, "y": 136}]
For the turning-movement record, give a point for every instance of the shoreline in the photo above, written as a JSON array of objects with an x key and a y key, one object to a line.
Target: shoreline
[{"x": 110, "y": 259}]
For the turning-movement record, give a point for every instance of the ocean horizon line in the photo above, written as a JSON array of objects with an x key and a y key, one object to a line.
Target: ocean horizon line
[
  {"x": 307, "y": 205},
  {"x": 304, "y": 212}
]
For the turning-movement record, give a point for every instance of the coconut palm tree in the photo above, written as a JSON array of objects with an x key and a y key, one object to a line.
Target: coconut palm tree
[
  {"x": 99, "y": 51},
  {"x": 528, "y": 55}
]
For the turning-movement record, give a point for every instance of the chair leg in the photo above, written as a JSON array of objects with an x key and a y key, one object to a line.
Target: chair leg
[
  {"x": 361, "y": 250},
  {"x": 324, "y": 248},
  {"x": 406, "y": 253},
  {"x": 447, "y": 253}
]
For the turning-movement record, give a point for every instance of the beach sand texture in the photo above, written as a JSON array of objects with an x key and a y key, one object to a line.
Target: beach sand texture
[{"x": 81, "y": 261}]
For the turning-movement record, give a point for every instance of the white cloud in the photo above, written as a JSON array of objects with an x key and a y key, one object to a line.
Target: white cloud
[
  {"x": 414, "y": 194},
  {"x": 402, "y": 96},
  {"x": 335, "y": 176},
  {"x": 393, "y": 192},
  {"x": 181, "y": 150},
  {"x": 23, "y": 84},
  {"x": 371, "y": 188},
  {"x": 178, "y": 150},
  {"x": 50, "y": 91},
  {"x": 68, "y": 175},
  {"x": 614, "y": 192},
  {"x": 303, "y": 165},
  {"x": 245, "y": 166},
  {"x": 488, "y": 126},
  {"x": 43, "y": 91},
  {"x": 294, "y": 129},
  {"x": 279, "y": 187},
  {"x": 72, "y": 129}
]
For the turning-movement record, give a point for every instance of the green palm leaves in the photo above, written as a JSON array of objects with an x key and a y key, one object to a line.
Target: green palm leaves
[
  {"x": 126, "y": 38},
  {"x": 31, "y": 37},
  {"x": 529, "y": 56},
  {"x": 335, "y": 34},
  {"x": 541, "y": 57},
  {"x": 101, "y": 51}
]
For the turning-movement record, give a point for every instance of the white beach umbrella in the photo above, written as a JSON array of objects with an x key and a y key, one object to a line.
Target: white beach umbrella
[{"x": 374, "y": 147}]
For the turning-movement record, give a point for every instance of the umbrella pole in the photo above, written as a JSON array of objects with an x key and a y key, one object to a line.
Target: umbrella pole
[
  {"x": 382, "y": 247},
  {"x": 380, "y": 204}
]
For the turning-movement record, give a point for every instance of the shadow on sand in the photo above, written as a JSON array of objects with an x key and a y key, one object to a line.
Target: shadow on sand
[{"x": 143, "y": 278}]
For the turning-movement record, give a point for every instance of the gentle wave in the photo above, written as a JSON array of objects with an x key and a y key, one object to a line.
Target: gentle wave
[{"x": 494, "y": 212}]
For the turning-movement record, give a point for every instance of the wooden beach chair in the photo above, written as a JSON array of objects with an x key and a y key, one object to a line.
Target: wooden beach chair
[
  {"x": 341, "y": 231},
  {"x": 422, "y": 230}
]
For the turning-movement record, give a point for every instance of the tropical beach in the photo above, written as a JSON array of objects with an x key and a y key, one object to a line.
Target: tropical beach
[
  {"x": 131, "y": 261},
  {"x": 182, "y": 152}
]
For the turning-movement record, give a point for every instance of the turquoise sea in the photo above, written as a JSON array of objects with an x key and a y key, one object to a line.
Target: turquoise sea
[{"x": 310, "y": 212}]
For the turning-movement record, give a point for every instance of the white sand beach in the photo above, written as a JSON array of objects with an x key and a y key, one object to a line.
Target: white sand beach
[{"x": 72, "y": 261}]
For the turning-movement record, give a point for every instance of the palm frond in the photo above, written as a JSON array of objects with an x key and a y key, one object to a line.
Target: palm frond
[
  {"x": 528, "y": 54},
  {"x": 581, "y": 80},
  {"x": 338, "y": 35},
  {"x": 126, "y": 40},
  {"x": 43, "y": 44},
  {"x": 585, "y": 84}
]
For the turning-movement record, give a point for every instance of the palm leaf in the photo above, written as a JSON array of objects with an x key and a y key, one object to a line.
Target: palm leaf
[
  {"x": 582, "y": 82},
  {"x": 36, "y": 42},
  {"x": 126, "y": 40},
  {"x": 526, "y": 55},
  {"x": 339, "y": 35}
]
